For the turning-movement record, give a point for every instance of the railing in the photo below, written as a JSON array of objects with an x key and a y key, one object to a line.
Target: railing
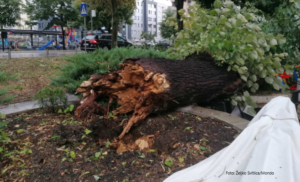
[{"x": 9, "y": 54}]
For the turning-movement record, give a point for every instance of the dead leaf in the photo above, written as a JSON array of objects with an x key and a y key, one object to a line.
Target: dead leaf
[
  {"x": 175, "y": 145},
  {"x": 196, "y": 146},
  {"x": 62, "y": 173}
]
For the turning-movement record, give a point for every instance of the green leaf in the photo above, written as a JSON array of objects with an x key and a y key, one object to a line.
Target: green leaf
[
  {"x": 280, "y": 39},
  {"x": 169, "y": 162},
  {"x": 87, "y": 131},
  {"x": 253, "y": 78},
  {"x": 269, "y": 80},
  {"x": 202, "y": 148},
  {"x": 217, "y": 4},
  {"x": 59, "y": 111},
  {"x": 96, "y": 177},
  {"x": 111, "y": 115},
  {"x": 123, "y": 163},
  {"x": 172, "y": 117},
  {"x": 1, "y": 149},
  {"x": 20, "y": 130},
  {"x": 188, "y": 128},
  {"x": 72, "y": 154},
  {"x": 273, "y": 42},
  {"x": 29, "y": 151},
  {"x": 243, "y": 77},
  {"x": 97, "y": 154},
  {"x": 55, "y": 136},
  {"x": 71, "y": 107},
  {"x": 107, "y": 144},
  {"x": 233, "y": 102},
  {"x": 22, "y": 165},
  {"x": 63, "y": 159},
  {"x": 246, "y": 94},
  {"x": 181, "y": 159},
  {"x": 251, "y": 110},
  {"x": 276, "y": 87},
  {"x": 249, "y": 83},
  {"x": 240, "y": 61}
]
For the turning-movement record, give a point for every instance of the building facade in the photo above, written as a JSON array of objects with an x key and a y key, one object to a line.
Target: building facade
[{"x": 146, "y": 18}]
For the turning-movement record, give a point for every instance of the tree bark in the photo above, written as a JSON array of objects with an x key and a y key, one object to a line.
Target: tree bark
[
  {"x": 179, "y": 6},
  {"x": 143, "y": 86},
  {"x": 115, "y": 23}
]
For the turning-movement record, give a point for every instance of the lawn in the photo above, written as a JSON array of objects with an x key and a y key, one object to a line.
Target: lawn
[
  {"x": 56, "y": 147},
  {"x": 33, "y": 74}
]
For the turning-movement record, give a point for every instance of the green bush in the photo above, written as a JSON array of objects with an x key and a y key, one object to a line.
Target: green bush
[
  {"x": 51, "y": 98},
  {"x": 82, "y": 66},
  {"x": 236, "y": 41}
]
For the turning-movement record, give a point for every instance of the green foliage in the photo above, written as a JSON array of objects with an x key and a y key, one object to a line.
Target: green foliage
[
  {"x": 10, "y": 12},
  {"x": 286, "y": 20},
  {"x": 147, "y": 36},
  {"x": 167, "y": 31},
  {"x": 82, "y": 66},
  {"x": 107, "y": 144},
  {"x": 52, "y": 99},
  {"x": 58, "y": 11},
  {"x": 169, "y": 162},
  {"x": 235, "y": 40},
  {"x": 4, "y": 98}
]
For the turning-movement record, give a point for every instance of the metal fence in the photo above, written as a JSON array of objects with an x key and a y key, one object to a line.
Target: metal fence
[{"x": 8, "y": 54}]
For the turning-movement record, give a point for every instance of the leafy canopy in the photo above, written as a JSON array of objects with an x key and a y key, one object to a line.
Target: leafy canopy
[
  {"x": 10, "y": 11},
  {"x": 235, "y": 40},
  {"x": 167, "y": 31},
  {"x": 59, "y": 11}
]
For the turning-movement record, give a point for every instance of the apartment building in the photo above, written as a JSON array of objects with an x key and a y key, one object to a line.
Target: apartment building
[{"x": 146, "y": 18}]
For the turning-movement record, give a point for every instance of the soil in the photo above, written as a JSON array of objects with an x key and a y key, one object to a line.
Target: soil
[{"x": 56, "y": 147}]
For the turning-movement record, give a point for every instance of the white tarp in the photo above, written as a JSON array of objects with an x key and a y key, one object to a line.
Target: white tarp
[{"x": 268, "y": 150}]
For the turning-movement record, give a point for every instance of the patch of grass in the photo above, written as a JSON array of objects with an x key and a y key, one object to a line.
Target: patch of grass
[{"x": 33, "y": 75}]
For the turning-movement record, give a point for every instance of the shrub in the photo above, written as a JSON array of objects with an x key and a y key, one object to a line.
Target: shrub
[
  {"x": 82, "y": 66},
  {"x": 234, "y": 38},
  {"x": 51, "y": 98}
]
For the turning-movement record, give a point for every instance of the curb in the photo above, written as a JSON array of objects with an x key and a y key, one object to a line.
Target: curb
[
  {"x": 236, "y": 122},
  {"x": 31, "y": 106}
]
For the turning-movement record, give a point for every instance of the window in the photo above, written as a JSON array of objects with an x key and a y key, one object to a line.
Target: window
[
  {"x": 154, "y": 19},
  {"x": 138, "y": 25},
  {"x": 154, "y": 6},
  {"x": 149, "y": 12},
  {"x": 150, "y": 19},
  {"x": 141, "y": 25},
  {"x": 138, "y": 17},
  {"x": 154, "y": 26},
  {"x": 190, "y": 2}
]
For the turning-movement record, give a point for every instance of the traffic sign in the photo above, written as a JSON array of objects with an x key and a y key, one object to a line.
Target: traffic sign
[{"x": 83, "y": 9}]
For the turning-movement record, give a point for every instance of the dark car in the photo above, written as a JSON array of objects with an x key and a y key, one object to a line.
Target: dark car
[{"x": 93, "y": 42}]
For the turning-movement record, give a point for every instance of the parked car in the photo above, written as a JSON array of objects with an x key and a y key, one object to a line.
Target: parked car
[{"x": 93, "y": 42}]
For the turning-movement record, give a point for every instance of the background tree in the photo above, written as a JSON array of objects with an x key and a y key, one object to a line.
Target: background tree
[
  {"x": 119, "y": 10},
  {"x": 147, "y": 36},
  {"x": 59, "y": 12},
  {"x": 166, "y": 31},
  {"x": 10, "y": 11}
]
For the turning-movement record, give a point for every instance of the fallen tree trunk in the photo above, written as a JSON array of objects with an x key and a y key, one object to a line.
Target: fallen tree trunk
[{"x": 143, "y": 86}]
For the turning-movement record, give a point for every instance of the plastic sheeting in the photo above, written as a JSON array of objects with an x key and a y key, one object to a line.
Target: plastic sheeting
[{"x": 268, "y": 150}]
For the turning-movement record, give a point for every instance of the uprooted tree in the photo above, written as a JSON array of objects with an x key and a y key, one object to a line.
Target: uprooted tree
[
  {"x": 240, "y": 54},
  {"x": 143, "y": 86}
]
